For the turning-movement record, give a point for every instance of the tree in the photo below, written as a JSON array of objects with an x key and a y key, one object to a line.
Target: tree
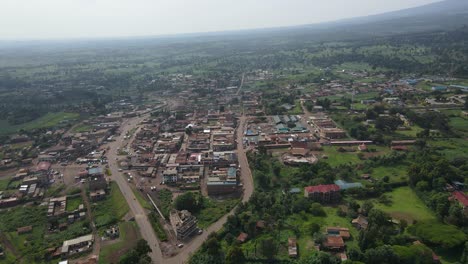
[
  {"x": 235, "y": 255},
  {"x": 367, "y": 206},
  {"x": 212, "y": 246},
  {"x": 187, "y": 201},
  {"x": 317, "y": 210},
  {"x": 138, "y": 255},
  {"x": 381, "y": 255},
  {"x": 312, "y": 228},
  {"x": 320, "y": 258},
  {"x": 268, "y": 247}
]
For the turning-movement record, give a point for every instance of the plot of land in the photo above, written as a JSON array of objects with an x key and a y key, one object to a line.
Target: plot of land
[
  {"x": 49, "y": 120},
  {"x": 214, "y": 209},
  {"x": 112, "y": 209},
  {"x": 336, "y": 158},
  {"x": 406, "y": 205},
  {"x": 112, "y": 252},
  {"x": 74, "y": 203}
]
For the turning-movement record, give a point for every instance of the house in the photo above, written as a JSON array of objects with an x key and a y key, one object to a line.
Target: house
[
  {"x": 323, "y": 193},
  {"x": 77, "y": 245},
  {"x": 362, "y": 147},
  {"x": 24, "y": 230},
  {"x": 242, "y": 237},
  {"x": 334, "y": 243},
  {"x": 360, "y": 222},
  {"x": 292, "y": 247},
  {"x": 260, "y": 224},
  {"x": 338, "y": 231},
  {"x": 97, "y": 195},
  {"x": 461, "y": 198},
  {"x": 399, "y": 148}
]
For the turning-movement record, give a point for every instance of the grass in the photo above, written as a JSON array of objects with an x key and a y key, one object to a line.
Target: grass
[
  {"x": 157, "y": 227},
  {"x": 460, "y": 124},
  {"x": 128, "y": 238},
  {"x": 297, "y": 110},
  {"x": 296, "y": 225},
  {"x": 112, "y": 209},
  {"x": 336, "y": 158},
  {"x": 214, "y": 210},
  {"x": 452, "y": 148},
  {"x": 46, "y": 121},
  {"x": 4, "y": 184},
  {"x": 73, "y": 203},
  {"x": 396, "y": 173},
  {"x": 415, "y": 129},
  {"x": 142, "y": 199},
  {"x": 406, "y": 205},
  {"x": 164, "y": 202},
  {"x": 80, "y": 128}
]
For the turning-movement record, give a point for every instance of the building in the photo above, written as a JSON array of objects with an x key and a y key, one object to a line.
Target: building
[
  {"x": 183, "y": 223},
  {"x": 97, "y": 195},
  {"x": 242, "y": 237},
  {"x": 339, "y": 231},
  {"x": 461, "y": 198},
  {"x": 360, "y": 222},
  {"x": 77, "y": 245},
  {"x": 334, "y": 243},
  {"x": 222, "y": 181},
  {"x": 292, "y": 247},
  {"x": 170, "y": 175},
  {"x": 323, "y": 193},
  {"x": 332, "y": 133}
]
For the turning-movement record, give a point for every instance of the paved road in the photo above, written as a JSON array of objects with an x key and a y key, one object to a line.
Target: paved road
[
  {"x": 140, "y": 214},
  {"x": 137, "y": 210},
  {"x": 241, "y": 84}
]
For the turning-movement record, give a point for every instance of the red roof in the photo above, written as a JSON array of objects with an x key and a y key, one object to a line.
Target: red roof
[
  {"x": 43, "y": 166},
  {"x": 322, "y": 188},
  {"x": 461, "y": 197}
]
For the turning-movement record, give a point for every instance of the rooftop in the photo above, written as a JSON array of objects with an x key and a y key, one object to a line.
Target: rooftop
[{"x": 322, "y": 188}]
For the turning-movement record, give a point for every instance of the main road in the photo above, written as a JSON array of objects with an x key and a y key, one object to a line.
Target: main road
[
  {"x": 140, "y": 214},
  {"x": 137, "y": 210}
]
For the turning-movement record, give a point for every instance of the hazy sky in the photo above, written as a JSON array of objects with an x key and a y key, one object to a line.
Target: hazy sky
[{"x": 42, "y": 19}]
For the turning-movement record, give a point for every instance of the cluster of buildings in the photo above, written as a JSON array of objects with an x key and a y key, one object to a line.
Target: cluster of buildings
[{"x": 326, "y": 127}]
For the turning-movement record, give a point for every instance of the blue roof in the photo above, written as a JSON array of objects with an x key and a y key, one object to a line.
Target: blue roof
[
  {"x": 95, "y": 171},
  {"x": 295, "y": 190},
  {"x": 345, "y": 185},
  {"x": 231, "y": 171}
]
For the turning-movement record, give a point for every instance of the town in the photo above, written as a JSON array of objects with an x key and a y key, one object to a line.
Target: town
[{"x": 342, "y": 142}]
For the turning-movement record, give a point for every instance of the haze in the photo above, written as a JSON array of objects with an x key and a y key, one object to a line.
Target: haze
[{"x": 46, "y": 19}]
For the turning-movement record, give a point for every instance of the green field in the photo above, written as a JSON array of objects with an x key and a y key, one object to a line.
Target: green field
[
  {"x": 4, "y": 184},
  {"x": 74, "y": 203},
  {"x": 452, "y": 148},
  {"x": 46, "y": 121},
  {"x": 396, "y": 173},
  {"x": 112, "y": 209},
  {"x": 128, "y": 237},
  {"x": 409, "y": 133},
  {"x": 459, "y": 124},
  {"x": 406, "y": 205},
  {"x": 213, "y": 210},
  {"x": 336, "y": 158},
  {"x": 82, "y": 128}
]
